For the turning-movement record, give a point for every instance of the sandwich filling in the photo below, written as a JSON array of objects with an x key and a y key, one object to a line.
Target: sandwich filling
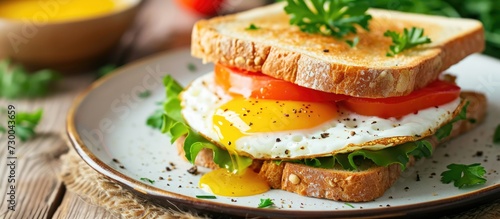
[{"x": 253, "y": 116}]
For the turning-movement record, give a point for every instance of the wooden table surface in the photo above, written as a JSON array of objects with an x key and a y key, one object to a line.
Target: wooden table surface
[{"x": 40, "y": 193}]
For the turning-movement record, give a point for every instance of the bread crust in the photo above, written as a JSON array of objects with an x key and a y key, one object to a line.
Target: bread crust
[
  {"x": 343, "y": 70},
  {"x": 338, "y": 184}
]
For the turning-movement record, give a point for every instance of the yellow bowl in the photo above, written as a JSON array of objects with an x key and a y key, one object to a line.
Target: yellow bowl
[{"x": 65, "y": 45}]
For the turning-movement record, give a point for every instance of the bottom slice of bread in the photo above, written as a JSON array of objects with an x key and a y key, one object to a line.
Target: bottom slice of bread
[{"x": 343, "y": 185}]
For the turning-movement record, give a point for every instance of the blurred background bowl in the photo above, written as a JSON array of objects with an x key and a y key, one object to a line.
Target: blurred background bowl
[{"x": 67, "y": 45}]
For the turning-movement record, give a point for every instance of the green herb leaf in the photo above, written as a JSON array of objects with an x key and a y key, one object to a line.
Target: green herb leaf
[
  {"x": 144, "y": 94},
  {"x": 155, "y": 120},
  {"x": 173, "y": 124},
  {"x": 464, "y": 175},
  {"x": 487, "y": 11},
  {"x": 409, "y": 39},
  {"x": 206, "y": 197},
  {"x": 329, "y": 17},
  {"x": 192, "y": 67},
  {"x": 349, "y": 204},
  {"x": 264, "y": 203},
  {"x": 105, "y": 70},
  {"x": 252, "y": 27},
  {"x": 354, "y": 42},
  {"x": 147, "y": 180},
  {"x": 26, "y": 124},
  {"x": 16, "y": 82},
  {"x": 496, "y": 136}
]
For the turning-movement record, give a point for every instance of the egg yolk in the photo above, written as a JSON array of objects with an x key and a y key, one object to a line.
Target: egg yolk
[
  {"x": 222, "y": 182},
  {"x": 243, "y": 117}
]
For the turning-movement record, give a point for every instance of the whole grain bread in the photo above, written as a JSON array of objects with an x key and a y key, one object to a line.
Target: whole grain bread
[
  {"x": 363, "y": 185},
  {"x": 329, "y": 64}
]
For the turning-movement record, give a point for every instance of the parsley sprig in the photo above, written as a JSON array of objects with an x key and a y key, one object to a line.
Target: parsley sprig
[
  {"x": 264, "y": 203},
  {"x": 25, "y": 124},
  {"x": 16, "y": 82},
  {"x": 464, "y": 175},
  {"x": 409, "y": 39},
  {"x": 329, "y": 17}
]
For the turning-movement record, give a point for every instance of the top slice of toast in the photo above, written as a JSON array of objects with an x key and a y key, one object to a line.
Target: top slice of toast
[{"x": 329, "y": 64}]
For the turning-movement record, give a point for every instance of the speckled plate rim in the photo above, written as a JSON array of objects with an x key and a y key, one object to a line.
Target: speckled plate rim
[{"x": 178, "y": 201}]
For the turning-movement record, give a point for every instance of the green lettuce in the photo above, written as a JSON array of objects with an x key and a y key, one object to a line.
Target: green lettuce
[{"x": 174, "y": 125}]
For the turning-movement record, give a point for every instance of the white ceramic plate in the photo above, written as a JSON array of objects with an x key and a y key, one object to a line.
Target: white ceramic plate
[{"x": 107, "y": 127}]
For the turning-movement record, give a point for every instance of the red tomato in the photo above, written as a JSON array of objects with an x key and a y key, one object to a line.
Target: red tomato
[
  {"x": 435, "y": 94},
  {"x": 260, "y": 86},
  {"x": 205, "y": 7}
]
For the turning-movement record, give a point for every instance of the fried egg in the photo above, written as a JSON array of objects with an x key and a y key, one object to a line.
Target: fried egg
[{"x": 270, "y": 129}]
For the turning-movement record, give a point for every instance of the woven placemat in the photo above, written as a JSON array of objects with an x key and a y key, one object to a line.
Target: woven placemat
[{"x": 96, "y": 189}]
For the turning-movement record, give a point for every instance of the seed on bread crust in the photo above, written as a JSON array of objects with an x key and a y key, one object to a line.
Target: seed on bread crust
[{"x": 294, "y": 179}]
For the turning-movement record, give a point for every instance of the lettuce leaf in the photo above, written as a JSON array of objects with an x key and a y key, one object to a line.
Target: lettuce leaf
[
  {"x": 398, "y": 154},
  {"x": 174, "y": 125}
]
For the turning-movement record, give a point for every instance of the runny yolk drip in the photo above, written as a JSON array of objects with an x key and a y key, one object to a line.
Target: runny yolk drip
[
  {"x": 223, "y": 182},
  {"x": 243, "y": 117}
]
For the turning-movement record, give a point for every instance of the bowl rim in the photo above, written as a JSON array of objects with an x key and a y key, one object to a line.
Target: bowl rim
[{"x": 129, "y": 5}]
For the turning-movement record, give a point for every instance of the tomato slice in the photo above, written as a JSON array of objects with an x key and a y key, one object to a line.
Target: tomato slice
[
  {"x": 437, "y": 93},
  {"x": 260, "y": 86},
  {"x": 204, "y": 7}
]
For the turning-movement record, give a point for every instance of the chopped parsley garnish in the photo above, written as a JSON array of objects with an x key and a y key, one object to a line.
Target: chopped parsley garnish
[
  {"x": 349, "y": 204},
  {"x": 464, "y": 175},
  {"x": 409, "y": 39},
  {"x": 16, "y": 82},
  {"x": 144, "y": 94},
  {"x": 191, "y": 67},
  {"x": 206, "y": 197},
  {"x": 329, "y": 17},
  {"x": 496, "y": 136},
  {"x": 147, "y": 180},
  {"x": 353, "y": 43},
  {"x": 252, "y": 27},
  {"x": 264, "y": 203},
  {"x": 106, "y": 69},
  {"x": 25, "y": 124}
]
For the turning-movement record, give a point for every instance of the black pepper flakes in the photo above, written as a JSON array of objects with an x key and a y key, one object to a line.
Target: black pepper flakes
[
  {"x": 278, "y": 140},
  {"x": 406, "y": 188},
  {"x": 479, "y": 154},
  {"x": 325, "y": 135},
  {"x": 161, "y": 178},
  {"x": 326, "y": 50},
  {"x": 193, "y": 170},
  {"x": 168, "y": 169},
  {"x": 116, "y": 160}
]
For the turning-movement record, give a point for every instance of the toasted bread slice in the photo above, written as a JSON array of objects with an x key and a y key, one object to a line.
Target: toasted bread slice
[
  {"x": 329, "y": 64},
  {"x": 343, "y": 185}
]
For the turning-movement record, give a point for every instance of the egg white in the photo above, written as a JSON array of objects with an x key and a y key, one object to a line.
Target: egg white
[{"x": 348, "y": 132}]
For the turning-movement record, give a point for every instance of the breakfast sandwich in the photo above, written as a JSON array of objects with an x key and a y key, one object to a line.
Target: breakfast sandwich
[{"x": 333, "y": 109}]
